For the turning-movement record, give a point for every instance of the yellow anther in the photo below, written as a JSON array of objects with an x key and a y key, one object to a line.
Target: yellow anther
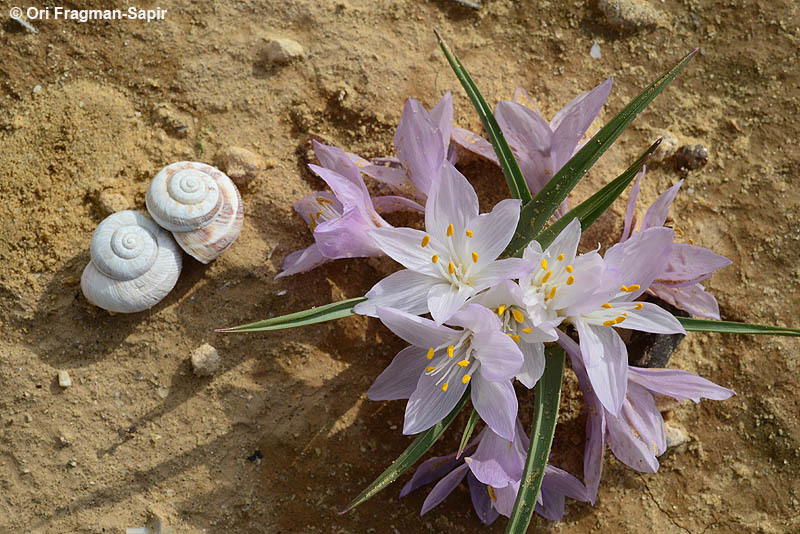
[
  {"x": 546, "y": 276},
  {"x": 430, "y": 369},
  {"x": 323, "y": 200},
  {"x": 544, "y": 264},
  {"x": 470, "y": 233},
  {"x": 552, "y": 293},
  {"x": 624, "y": 288},
  {"x": 435, "y": 258},
  {"x": 569, "y": 269},
  {"x": 501, "y": 309},
  {"x": 609, "y": 323},
  {"x": 450, "y": 230},
  {"x": 465, "y": 379},
  {"x": 450, "y": 351},
  {"x": 463, "y": 363},
  {"x": 430, "y": 353},
  {"x": 518, "y": 315},
  {"x": 313, "y": 222},
  {"x": 515, "y": 337},
  {"x": 638, "y": 306},
  {"x": 607, "y": 305},
  {"x": 451, "y": 268},
  {"x": 426, "y": 240},
  {"x": 527, "y": 330},
  {"x": 619, "y": 319},
  {"x": 634, "y": 287},
  {"x": 570, "y": 280},
  {"x": 445, "y": 386},
  {"x": 474, "y": 257},
  {"x": 491, "y": 493},
  {"x": 560, "y": 257}
]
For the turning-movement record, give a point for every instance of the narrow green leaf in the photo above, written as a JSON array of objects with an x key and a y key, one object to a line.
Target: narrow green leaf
[
  {"x": 590, "y": 209},
  {"x": 418, "y": 447},
  {"x": 545, "y": 415},
  {"x": 516, "y": 182},
  {"x": 319, "y": 314},
  {"x": 730, "y": 327},
  {"x": 537, "y": 212},
  {"x": 473, "y": 421}
]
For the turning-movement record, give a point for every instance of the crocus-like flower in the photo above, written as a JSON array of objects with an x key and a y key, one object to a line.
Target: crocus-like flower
[
  {"x": 340, "y": 221},
  {"x": 636, "y": 435},
  {"x": 453, "y": 259},
  {"x": 688, "y": 265},
  {"x": 434, "y": 371},
  {"x": 541, "y": 149},
  {"x": 499, "y": 462},
  {"x": 422, "y": 141}
]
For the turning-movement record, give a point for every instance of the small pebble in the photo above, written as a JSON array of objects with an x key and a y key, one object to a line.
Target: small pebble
[
  {"x": 690, "y": 158},
  {"x": 64, "y": 379},
  {"x": 109, "y": 202},
  {"x": 205, "y": 360},
  {"x": 631, "y": 14},
  {"x": 676, "y": 435},
  {"x": 163, "y": 392},
  {"x": 595, "y": 51},
  {"x": 240, "y": 164},
  {"x": 37, "y": 88},
  {"x": 282, "y": 50},
  {"x": 667, "y": 148},
  {"x": 28, "y": 418}
]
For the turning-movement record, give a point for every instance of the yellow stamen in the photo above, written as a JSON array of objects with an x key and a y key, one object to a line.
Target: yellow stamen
[
  {"x": 323, "y": 200},
  {"x": 450, "y": 351},
  {"x": 552, "y": 293},
  {"x": 638, "y": 306},
  {"x": 426, "y": 240},
  {"x": 501, "y": 309},
  {"x": 430, "y": 353},
  {"x": 570, "y": 280},
  {"x": 491, "y": 493},
  {"x": 515, "y": 337},
  {"x": 634, "y": 287},
  {"x": 624, "y": 288},
  {"x": 569, "y": 269},
  {"x": 527, "y": 330},
  {"x": 445, "y": 386},
  {"x": 313, "y": 222},
  {"x": 609, "y": 323},
  {"x": 435, "y": 258},
  {"x": 607, "y": 306},
  {"x": 463, "y": 363},
  {"x": 470, "y": 233},
  {"x": 619, "y": 319},
  {"x": 474, "y": 257},
  {"x": 430, "y": 369},
  {"x": 518, "y": 315},
  {"x": 450, "y": 230},
  {"x": 451, "y": 268},
  {"x": 544, "y": 264},
  {"x": 465, "y": 379},
  {"x": 319, "y": 213},
  {"x": 560, "y": 257},
  {"x": 546, "y": 276}
]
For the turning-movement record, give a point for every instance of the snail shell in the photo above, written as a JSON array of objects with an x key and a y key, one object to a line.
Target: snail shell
[
  {"x": 135, "y": 263},
  {"x": 200, "y": 205}
]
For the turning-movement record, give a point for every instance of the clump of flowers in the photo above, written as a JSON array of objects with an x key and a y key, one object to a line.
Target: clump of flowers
[{"x": 485, "y": 300}]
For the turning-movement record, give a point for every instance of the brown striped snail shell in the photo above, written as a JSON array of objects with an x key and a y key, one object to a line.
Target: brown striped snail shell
[
  {"x": 135, "y": 263},
  {"x": 200, "y": 205}
]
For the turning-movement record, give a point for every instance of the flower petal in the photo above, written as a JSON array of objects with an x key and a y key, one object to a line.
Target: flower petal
[
  {"x": 566, "y": 242},
  {"x": 404, "y": 290},
  {"x": 404, "y": 245},
  {"x": 642, "y": 415},
  {"x": 429, "y": 404},
  {"x": 444, "y": 488},
  {"x": 430, "y": 470},
  {"x": 338, "y": 161},
  {"x": 530, "y": 136},
  {"x": 442, "y": 117},
  {"x": 418, "y": 331},
  {"x": 628, "y": 448},
  {"x": 657, "y": 213},
  {"x": 445, "y": 299},
  {"x": 418, "y": 143},
  {"x": 481, "y": 502},
  {"x": 496, "y": 403},
  {"x": 475, "y": 144},
  {"x": 606, "y": 360},
  {"x": 652, "y": 318},
  {"x": 690, "y": 263},
  {"x": 574, "y": 119},
  {"x": 630, "y": 210},
  {"x": 493, "y": 231},
  {"x": 694, "y": 299},
  {"x": 506, "y": 497},
  {"x": 395, "y": 178},
  {"x": 399, "y": 379},
  {"x": 497, "y": 271},
  {"x": 678, "y": 384},
  {"x": 346, "y": 237},
  {"x": 352, "y": 196},
  {"x": 533, "y": 366},
  {"x": 390, "y": 204},
  {"x": 641, "y": 258},
  {"x": 499, "y": 355},
  {"x": 451, "y": 200},
  {"x": 301, "y": 261},
  {"x": 309, "y": 205},
  {"x": 497, "y": 462}
]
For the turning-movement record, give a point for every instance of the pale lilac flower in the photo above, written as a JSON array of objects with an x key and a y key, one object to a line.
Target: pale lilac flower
[
  {"x": 636, "y": 434},
  {"x": 688, "y": 265},
  {"x": 453, "y": 259},
  {"x": 435, "y": 370},
  {"x": 340, "y": 221},
  {"x": 493, "y": 473},
  {"x": 422, "y": 141},
  {"x": 541, "y": 148},
  {"x": 507, "y": 300}
]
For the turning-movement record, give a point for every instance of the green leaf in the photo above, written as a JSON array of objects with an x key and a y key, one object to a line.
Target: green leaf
[
  {"x": 545, "y": 415},
  {"x": 730, "y": 327},
  {"x": 590, "y": 209},
  {"x": 473, "y": 421},
  {"x": 537, "y": 212},
  {"x": 319, "y": 314},
  {"x": 418, "y": 447},
  {"x": 511, "y": 170}
]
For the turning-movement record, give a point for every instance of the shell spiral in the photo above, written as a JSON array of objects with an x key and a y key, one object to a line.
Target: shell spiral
[
  {"x": 200, "y": 205},
  {"x": 134, "y": 265}
]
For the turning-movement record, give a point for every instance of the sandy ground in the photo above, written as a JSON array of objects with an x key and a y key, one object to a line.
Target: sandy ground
[{"x": 90, "y": 112}]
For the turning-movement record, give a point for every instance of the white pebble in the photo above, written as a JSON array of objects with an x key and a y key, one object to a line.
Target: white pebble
[
  {"x": 205, "y": 360},
  {"x": 282, "y": 50},
  {"x": 37, "y": 88},
  {"x": 64, "y": 379},
  {"x": 595, "y": 51}
]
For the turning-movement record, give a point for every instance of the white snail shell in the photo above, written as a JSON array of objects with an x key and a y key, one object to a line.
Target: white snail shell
[
  {"x": 200, "y": 205},
  {"x": 135, "y": 263}
]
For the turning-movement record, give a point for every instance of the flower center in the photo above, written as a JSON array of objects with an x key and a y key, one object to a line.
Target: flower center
[
  {"x": 459, "y": 264},
  {"x": 551, "y": 275},
  {"x": 457, "y": 362},
  {"x": 512, "y": 319},
  {"x": 324, "y": 210}
]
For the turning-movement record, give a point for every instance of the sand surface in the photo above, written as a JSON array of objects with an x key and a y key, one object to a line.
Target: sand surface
[{"x": 91, "y": 111}]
